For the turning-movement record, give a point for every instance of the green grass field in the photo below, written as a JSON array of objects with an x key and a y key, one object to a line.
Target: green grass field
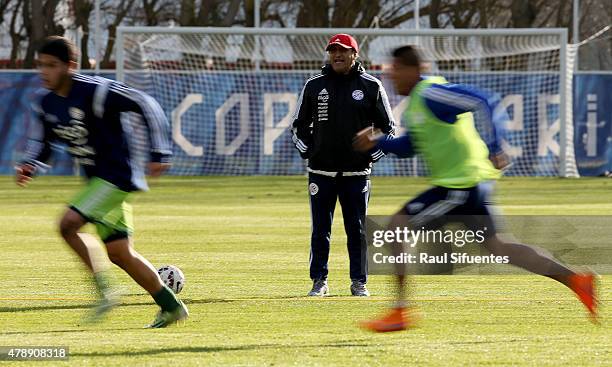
[{"x": 243, "y": 243}]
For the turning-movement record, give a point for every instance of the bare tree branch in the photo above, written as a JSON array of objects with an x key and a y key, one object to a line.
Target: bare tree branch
[
  {"x": 3, "y": 6},
  {"x": 123, "y": 9}
]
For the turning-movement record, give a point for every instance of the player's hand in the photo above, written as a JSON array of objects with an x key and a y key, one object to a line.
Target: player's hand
[
  {"x": 366, "y": 139},
  {"x": 24, "y": 174},
  {"x": 156, "y": 169},
  {"x": 500, "y": 160}
]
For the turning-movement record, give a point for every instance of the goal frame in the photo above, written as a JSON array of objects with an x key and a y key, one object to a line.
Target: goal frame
[{"x": 566, "y": 168}]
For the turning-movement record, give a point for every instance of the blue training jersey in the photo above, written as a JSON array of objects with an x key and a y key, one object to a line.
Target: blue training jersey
[{"x": 110, "y": 129}]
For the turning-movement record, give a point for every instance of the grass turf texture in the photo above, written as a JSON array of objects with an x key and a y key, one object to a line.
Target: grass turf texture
[{"x": 242, "y": 243}]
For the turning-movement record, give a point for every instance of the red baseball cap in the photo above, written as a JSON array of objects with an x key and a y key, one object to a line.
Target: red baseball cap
[{"x": 344, "y": 40}]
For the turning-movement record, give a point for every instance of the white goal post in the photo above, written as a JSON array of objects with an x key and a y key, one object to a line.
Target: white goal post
[{"x": 230, "y": 92}]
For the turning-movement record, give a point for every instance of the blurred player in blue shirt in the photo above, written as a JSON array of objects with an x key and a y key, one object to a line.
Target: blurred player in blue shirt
[{"x": 91, "y": 116}]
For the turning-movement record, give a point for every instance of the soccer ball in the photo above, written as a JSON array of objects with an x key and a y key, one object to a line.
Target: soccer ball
[{"x": 172, "y": 277}]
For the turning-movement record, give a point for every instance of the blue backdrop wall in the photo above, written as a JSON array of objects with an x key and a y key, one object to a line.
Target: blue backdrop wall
[{"x": 592, "y": 118}]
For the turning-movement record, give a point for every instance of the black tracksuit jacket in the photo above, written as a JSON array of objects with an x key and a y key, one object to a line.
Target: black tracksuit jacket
[{"x": 331, "y": 109}]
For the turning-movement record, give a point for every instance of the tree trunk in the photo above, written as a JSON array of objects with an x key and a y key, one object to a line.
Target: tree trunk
[
  {"x": 38, "y": 20},
  {"x": 85, "y": 49},
  {"x": 124, "y": 9},
  {"x": 51, "y": 28},
  {"x": 523, "y": 13},
  {"x": 82, "y": 11},
  {"x": 232, "y": 11},
  {"x": 347, "y": 13},
  {"x": 16, "y": 36},
  {"x": 33, "y": 19},
  {"x": 433, "y": 15},
  {"x": 249, "y": 13},
  {"x": 150, "y": 14},
  {"x": 187, "y": 14},
  {"x": 368, "y": 15},
  {"x": 562, "y": 20},
  {"x": 108, "y": 50},
  {"x": 313, "y": 13},
  {"x": 207, "y": 8}
]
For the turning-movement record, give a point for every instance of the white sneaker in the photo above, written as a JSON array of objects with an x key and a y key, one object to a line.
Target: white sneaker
[
  {"x": 319, "y": 288},
  {"x": 358, "y": 289}
]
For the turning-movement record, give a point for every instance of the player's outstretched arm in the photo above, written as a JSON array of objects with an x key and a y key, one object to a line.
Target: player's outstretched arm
[
  {"x": 124, "y": 99},
  {"x": 157, "y": 169},
  {"x": 367, "y": 139},
  {"x": 24, "y": 174},
  {"x": 383, "y": 120},
  {"x": 500, "y": 160},
  {"x": 38, "y": 150}
]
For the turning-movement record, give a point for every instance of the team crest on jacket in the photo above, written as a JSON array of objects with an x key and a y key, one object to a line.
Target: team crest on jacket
[
  {"x": 76, "y": 113},
  {"x": 313, "y": 188},
  {"x": 357, "y": 94}
]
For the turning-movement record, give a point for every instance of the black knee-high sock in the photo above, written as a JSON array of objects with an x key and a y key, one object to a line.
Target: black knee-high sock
[{"x": 166, "y": 299}]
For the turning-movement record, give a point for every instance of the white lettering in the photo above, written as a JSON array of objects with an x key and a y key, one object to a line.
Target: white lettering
[
  {"x": 177, "y": 134},
  {"x": 271, "y": 131},
  {"x": 220, "y": 147}
]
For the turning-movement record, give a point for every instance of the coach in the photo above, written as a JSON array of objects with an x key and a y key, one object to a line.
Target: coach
[{"x": 331, "y": 109}]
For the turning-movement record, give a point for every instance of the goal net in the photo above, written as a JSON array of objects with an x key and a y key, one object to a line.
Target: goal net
[{"x": 230, "y": 93}]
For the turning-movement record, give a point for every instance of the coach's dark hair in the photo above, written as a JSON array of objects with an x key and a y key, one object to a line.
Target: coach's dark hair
[
  {"x": 60, "y": 47},
  {"x": 408, "y": 55}
]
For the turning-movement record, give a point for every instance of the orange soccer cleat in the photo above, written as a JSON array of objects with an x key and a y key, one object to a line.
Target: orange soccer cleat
[
  {"x": 585, "y": 287},
  {"x": 398, "y": 318}
]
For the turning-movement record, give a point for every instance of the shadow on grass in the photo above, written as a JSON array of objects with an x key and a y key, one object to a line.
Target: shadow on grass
[
  {"x": 186, "y": 300},
  {"x": 211, "y": 349},
  {"x": 88, "y": 305},
  {"x": 67, "y": 331},
  {"x": 489, "y": 341}
]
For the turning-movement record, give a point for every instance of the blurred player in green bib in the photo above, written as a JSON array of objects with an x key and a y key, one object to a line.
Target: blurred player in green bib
[
  {"x": 463, "y": 164},
  {"x": 91, "y": 116}
]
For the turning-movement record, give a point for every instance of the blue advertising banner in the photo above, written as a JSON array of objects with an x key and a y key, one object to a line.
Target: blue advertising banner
[
  {"x": 230, "y": 123},
  {"x": 593, "y": 123},
  {"x": 17, "y": 92}
]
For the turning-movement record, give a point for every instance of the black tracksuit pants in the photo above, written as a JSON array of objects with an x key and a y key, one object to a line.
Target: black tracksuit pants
[{"x": 353, "y": 192}]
